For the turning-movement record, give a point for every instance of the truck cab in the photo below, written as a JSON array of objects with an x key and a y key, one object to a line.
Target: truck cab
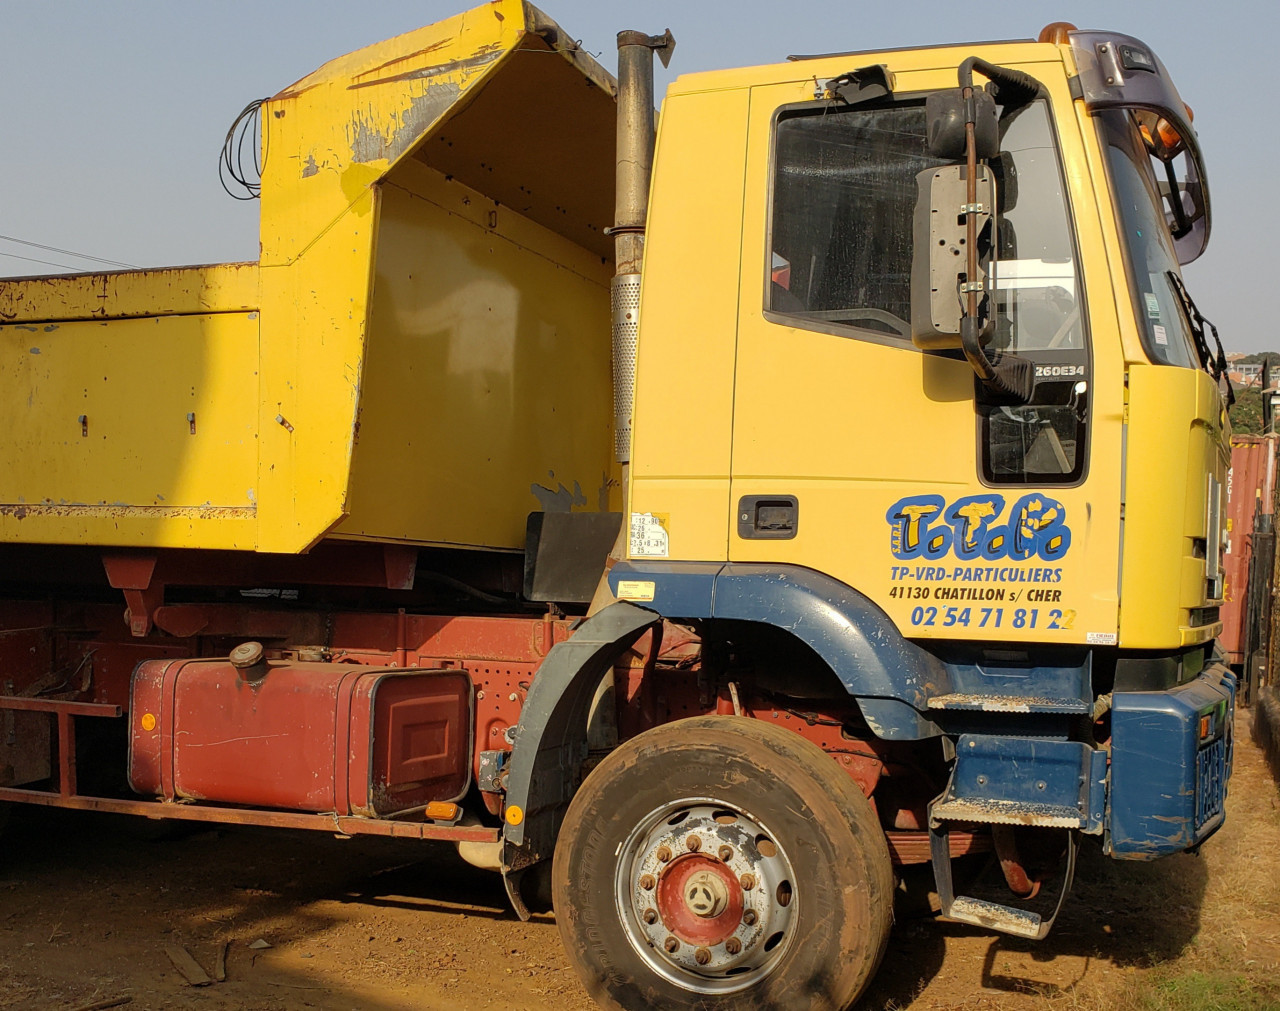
[{"x": 1029, "y": 577}]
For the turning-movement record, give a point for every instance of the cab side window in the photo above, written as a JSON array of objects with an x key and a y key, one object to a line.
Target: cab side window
[{"x": 844, "y": 193}]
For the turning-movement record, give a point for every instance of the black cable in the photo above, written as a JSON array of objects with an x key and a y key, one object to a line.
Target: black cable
[{"x": 232, "y": 162}]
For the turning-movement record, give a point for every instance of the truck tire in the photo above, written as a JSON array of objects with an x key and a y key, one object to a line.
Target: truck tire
[{"x": 721, "y": 862}]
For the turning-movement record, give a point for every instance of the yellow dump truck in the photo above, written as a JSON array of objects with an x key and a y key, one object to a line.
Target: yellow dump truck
[{"x": 699, "y": 530}]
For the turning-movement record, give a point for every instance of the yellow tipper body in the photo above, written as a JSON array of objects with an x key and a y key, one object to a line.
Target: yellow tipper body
[
  {"x": 421, "y": 354},
  {"x": 855, "y": 429}
]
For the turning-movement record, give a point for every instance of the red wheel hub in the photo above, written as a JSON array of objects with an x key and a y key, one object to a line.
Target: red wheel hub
[{"x": 683, "y": 876}]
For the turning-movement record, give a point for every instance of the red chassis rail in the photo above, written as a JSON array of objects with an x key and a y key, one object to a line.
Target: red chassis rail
[
  {"x": 83, "y": 653},
  {"x": 66, "y": 795}
]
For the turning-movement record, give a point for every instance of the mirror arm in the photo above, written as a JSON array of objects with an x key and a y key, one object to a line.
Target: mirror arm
[
  {"x": 1009, "y": 376},
  {"x": 1013, "y": 88},
  {"x": 1175, "y": 201}
]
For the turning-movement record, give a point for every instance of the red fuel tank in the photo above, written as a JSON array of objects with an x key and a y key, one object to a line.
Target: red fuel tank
[{"x": 300, "y": 736}]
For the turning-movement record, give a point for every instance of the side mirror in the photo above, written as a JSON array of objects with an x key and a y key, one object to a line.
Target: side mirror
[
  {"x": 945, "y": 121},
  {"x": 944, "y": 292},
  {"x": 940, "y": 260}
]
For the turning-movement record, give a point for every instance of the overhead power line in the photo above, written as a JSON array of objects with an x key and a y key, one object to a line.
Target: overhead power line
[
  {"x": 64, "y": 252},
  {"x": 32, "y": 259}
]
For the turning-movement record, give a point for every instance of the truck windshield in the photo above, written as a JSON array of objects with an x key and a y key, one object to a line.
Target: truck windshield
[{"x": 1148, "y": 246}]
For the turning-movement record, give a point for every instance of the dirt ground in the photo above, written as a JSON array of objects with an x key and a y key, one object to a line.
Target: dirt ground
[{"x": 88, "y": 905}]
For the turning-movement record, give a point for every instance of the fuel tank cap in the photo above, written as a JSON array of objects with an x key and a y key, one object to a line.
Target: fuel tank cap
[{"x": 247, "y": 654}]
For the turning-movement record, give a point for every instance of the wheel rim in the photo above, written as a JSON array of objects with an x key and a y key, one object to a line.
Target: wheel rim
[{"x": 706, "y": 895}]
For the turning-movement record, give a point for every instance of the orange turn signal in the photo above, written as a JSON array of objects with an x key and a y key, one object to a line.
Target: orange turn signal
[
  {"x": 1169, "y": 137},
  {"x": 1162, "y": 139},
  {"x": 438, "y": 810}
]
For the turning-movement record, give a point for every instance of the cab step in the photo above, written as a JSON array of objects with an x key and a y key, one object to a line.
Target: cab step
[
  {"x": 1031, "y": 782},
  {"x": 1034, "y": 781},
  {"x": 976, "y": 703},
  {"x": 981, "y": 912},
  {"x": 1009, "y": 812},
  {"x": 1006, "y": 919}
]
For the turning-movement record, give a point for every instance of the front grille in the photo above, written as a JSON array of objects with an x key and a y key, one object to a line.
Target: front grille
[
  {"x": 1203, "y": 616},
  {"x": 1211, "y": 780}
]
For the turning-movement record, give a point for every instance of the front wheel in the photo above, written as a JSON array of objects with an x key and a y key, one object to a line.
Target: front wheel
[{"x": 720, "y": 862}]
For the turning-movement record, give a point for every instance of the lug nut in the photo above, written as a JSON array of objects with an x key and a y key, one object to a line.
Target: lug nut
[
  {"x": 663, "y": 854},
  {"x": 748, "y": 882},
  {"x": 733, "y": 946},
  {"x": 672, "y": 945},
  {"x": 694, "y": 843},
  {"x": 702, "y": 956},
  {"x": 726, "y": 853},
  {"x": 749, "y": 917},
  {"x": 650, "y": 916},
  {"x": 647, "y": 882}
]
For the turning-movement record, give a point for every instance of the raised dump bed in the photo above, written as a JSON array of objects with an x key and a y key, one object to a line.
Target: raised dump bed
[{"x": 420, "y": 355}]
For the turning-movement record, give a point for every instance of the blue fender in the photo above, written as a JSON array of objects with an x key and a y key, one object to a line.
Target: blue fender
[{"x": 891, "y": 677}]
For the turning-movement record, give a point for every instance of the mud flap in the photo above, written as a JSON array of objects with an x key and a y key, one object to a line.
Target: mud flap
[{"x": 551, "y": 739}]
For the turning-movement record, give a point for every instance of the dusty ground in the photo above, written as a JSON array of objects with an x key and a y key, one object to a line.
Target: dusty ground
[{"x": 88, "y": 904}]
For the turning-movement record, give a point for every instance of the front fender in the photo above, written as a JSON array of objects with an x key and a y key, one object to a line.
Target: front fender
[
  {"x": 891, "y": 677},
  {"x": 550, "y": 741}
]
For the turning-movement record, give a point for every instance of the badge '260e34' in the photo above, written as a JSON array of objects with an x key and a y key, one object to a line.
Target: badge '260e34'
[{"x": 924, "y": 526}]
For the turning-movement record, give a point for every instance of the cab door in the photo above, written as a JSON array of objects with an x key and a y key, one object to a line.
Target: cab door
[{"x": 856, "y": 454}]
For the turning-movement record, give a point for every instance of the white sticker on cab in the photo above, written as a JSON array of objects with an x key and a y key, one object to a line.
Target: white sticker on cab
[{"x": 649, "y": 537}]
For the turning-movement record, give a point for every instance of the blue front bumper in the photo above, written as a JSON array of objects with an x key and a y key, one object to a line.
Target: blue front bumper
[{"x": 1170, "y": 761}]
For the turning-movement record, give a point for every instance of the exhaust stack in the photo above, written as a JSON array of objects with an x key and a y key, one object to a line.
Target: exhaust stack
[
  {"x": 631, "y": 207},
  {"x": 634, "y": 166}
]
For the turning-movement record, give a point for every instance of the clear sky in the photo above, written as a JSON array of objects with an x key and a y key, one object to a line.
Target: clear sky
[{"x": 112, "y": 113}]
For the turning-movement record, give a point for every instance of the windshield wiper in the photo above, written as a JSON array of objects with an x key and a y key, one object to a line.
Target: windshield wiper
[{"x": 1215, "y": 366}]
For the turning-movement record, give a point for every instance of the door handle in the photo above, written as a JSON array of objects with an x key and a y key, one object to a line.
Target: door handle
[{"x": 768, "y": 517}]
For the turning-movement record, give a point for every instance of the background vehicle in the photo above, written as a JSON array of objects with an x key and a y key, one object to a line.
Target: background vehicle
[{"x": 917, "y": 436}]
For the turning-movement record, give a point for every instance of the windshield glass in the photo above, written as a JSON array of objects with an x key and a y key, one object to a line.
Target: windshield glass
[{"x": 1149, "y": 250}]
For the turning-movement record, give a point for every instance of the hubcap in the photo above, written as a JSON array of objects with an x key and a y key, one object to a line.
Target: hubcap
[
  {"x": 706, "y": 895},
  {"x": 699, "y": 900}
]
